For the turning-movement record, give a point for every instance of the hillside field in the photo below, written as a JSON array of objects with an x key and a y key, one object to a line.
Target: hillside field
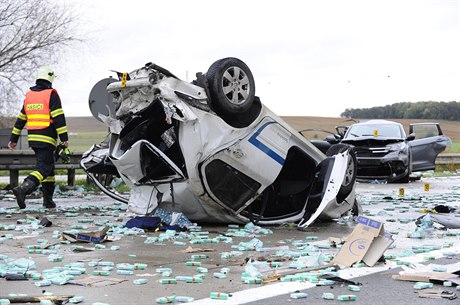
[{"x": 86, "y": 131}]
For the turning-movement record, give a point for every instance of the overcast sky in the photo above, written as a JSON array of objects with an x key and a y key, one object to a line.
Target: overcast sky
[{"x": 308, "y": 58}]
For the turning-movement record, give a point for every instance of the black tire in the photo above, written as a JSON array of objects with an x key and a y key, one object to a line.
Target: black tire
[
  {"x": 404, "y": 179},
  {"x": 231, "y": 86},
  {"x": 350, "y": 174}
]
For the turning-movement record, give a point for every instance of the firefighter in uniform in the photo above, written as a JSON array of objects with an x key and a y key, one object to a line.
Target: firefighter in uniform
[{"x": 44, "y": 119}]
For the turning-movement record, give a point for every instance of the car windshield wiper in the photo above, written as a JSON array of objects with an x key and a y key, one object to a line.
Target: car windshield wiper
[{"x": 361, "y": 135}]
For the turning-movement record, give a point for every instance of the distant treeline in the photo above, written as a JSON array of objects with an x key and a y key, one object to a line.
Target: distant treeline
[{"x": 421, "y": 110}]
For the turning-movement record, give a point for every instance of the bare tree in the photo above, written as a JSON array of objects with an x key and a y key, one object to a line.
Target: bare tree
[{"x": 32, "y": 33}]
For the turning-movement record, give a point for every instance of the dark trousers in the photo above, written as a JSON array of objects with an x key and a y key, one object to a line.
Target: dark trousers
[{"x": 44, "y": 169}]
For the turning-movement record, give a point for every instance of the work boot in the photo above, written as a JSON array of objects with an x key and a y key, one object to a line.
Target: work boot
[
  {"x": 21, "y": 191},
  {"x": 48, "y": 202},
  {"x": 48, "y": 191}
]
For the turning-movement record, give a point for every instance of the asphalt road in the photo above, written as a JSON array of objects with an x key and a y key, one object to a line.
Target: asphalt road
[{"x": 380, "y": 201}]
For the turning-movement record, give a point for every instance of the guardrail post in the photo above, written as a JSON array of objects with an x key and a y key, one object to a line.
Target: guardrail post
[
  {"x": 71, "y": 176},
  {"x": 14, "y": 177}
]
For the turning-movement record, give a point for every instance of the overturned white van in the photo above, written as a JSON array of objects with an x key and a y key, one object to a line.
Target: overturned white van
[{"x": 211, "y": 150}]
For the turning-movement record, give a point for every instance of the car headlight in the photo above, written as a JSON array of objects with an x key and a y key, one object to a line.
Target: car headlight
[{"x": 396, "y": 146}]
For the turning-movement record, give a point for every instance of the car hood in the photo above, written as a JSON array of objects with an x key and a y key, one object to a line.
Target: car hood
[{"x": 366, "y": 141}]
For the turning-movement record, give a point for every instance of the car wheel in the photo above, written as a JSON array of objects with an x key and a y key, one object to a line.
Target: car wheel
[
  {"x": 231, "y": 86},
  {"x": 404, "y": 179},
  {"x": 350, "y": 173}
]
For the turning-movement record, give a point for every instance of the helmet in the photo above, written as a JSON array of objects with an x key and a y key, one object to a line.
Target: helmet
[{"x": 46, "y": 73}]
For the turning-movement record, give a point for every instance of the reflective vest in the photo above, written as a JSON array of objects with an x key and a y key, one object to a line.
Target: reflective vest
[{"x": 37, "y": 109}]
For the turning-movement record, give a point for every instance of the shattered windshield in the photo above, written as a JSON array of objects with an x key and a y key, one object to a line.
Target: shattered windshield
[{"x": 375, "y": 130}]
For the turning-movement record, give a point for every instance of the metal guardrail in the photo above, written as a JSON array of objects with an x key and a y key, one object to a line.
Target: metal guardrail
[
  {"x": 17, "y": 160},
  {"x": 452, "y": 159}
]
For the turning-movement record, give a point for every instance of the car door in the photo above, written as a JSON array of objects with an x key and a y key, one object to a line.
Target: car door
[
  {"x": 145, "y": 163},
  {"x": 234, "y": 175},
  {"x": 428, "y": 143}
]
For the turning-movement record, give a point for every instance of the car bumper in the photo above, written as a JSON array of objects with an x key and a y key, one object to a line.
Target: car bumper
[{"x": 381, "y": 169}]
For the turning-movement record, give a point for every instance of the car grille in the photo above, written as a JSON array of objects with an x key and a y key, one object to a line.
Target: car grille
[
  {"x": 373, "y": 168},
  {"x": 382, "y": 171},
  {"x": 371, "y": 152}
]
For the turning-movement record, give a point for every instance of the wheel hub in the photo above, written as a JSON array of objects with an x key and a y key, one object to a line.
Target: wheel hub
[{"x": 235, "y": 85}]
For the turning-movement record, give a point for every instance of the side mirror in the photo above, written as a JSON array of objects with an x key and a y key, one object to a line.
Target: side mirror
[
  {"x": 341, "y": 130},
  {"x": 410, "y": 137},
  {"x": 333, "y": 139}
]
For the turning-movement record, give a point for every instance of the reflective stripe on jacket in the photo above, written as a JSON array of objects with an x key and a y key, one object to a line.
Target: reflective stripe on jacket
[{"x": 37, "y": 109}]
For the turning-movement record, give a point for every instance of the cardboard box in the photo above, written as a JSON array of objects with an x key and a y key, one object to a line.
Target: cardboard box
[
  {"x": 95, "y": 237},
  {"x": 433, "y": 277},
  {"x": 367, "y": 243}
]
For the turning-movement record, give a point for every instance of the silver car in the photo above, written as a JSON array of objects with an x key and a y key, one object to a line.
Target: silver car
[{"x": 211, "y": 150}]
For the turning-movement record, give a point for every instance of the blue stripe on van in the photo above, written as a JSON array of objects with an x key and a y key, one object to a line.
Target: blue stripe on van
[{"x": 264, "y": 148}]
